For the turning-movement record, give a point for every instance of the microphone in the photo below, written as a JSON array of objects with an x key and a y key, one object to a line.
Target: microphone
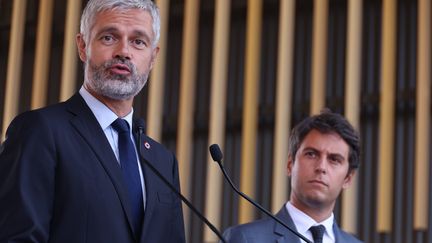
[
  {"x": 141, "y": 126},
  {"x": 217, "y": 156}
]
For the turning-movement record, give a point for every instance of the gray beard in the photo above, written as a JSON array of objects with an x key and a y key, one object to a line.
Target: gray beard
[{"x": 114, "y": 86}]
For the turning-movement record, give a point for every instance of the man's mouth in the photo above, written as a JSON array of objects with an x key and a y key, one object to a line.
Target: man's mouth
[
  {"x": 119, "y": 69},
  {"x": 318, "y": 182}
]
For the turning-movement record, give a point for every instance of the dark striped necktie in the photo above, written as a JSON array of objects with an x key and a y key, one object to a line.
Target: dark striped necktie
[
  {"x": 129, "y": 167},
  {"x": 317, "y": 233}
]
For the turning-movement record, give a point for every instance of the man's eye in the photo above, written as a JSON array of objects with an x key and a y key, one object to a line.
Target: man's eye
[
  {"x": 139, "y": 43},
  {"x": 107, "y": 38},
  {"x": 335, "y": 160},
  {"x": 310, "y": 154}
]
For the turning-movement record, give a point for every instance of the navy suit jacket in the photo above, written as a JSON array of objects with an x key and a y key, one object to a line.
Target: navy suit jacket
[
  {"x": 60, "y": 182},
  {"x": 269, "y": 231}
]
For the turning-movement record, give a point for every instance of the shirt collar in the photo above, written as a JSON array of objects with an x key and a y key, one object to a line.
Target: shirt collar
[
  {"x": 103, "y": 114},
  {"x": 303, "y": 221}
]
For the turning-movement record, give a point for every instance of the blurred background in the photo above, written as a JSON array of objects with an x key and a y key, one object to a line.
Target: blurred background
[{"x": 242, "y": 73}]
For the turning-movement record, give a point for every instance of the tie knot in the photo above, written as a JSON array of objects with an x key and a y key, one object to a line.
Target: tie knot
[
  {"x": 317, "y": 233},
  {"x": 120, "y": 125}
]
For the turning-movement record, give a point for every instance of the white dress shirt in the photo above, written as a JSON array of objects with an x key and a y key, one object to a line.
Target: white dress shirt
[
  {"x": 303, "y": 222},
  {"x": 105, "y": 117}
]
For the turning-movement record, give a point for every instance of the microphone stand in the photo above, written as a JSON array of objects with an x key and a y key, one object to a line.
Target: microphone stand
[
  {"x": 216, "y": 147},
  {"x": 189, "y": 204}
]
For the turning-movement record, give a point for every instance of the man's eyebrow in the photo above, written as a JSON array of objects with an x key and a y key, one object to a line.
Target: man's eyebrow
[
  {"x": 337, "y": 155},
  {"x": 311, "y": 148},
  {"x": 141, "y": 34},
  {"x": 107, "y": 29},
  {"x": 317, "y": 151},
  {"x": 112, "y": 29}
]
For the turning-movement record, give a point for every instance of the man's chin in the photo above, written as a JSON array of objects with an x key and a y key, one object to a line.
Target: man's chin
[
  {"x": 316, "y": 200},
  {"x": 118, "y": 96},
  {"x": 121, "y": 78}
]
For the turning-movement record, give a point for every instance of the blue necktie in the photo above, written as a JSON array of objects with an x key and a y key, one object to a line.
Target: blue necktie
[
  {"x": 317, "y": 233},
  {"x": 129, "y": 166}
]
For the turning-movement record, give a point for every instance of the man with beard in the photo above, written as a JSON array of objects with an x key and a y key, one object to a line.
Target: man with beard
[
  {"x": 71, "y": 172},
  {"x": 323, "y": 156}
]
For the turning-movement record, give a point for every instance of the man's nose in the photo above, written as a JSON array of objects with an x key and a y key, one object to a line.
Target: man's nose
[
  {"x": 321, "y": 165},
  {"x": 122, "y": 50}
]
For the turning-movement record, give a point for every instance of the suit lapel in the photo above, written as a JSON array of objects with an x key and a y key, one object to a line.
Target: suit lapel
[
  {"x": 337, "y": 233},
  {"x": 88, "y": 127},
  {"x": 150, "y": 179},
  {"x": 285, "y": 236}
]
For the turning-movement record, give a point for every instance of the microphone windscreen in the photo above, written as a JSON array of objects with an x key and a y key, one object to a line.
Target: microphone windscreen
[
  {"x": 215, "y": 152},
  {"x": 139, "y": 123}
]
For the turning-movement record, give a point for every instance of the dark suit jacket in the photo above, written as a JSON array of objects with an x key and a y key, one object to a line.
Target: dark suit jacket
[
  {"x": 269, "y": 231},
  {"x": 60, "y": 182}
]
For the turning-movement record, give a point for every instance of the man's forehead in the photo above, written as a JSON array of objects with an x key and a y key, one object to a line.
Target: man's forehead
[
  {"x": 132, "y": 13},
  {"x": 110, "y": 20},
  {"x": 329, "y": 141}
]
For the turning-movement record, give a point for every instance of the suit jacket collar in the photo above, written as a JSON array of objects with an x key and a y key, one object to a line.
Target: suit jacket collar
[
  {"x": 152, "y": 182},
  {"x": 337, "y": 232},
  {"x": 280, "y": 230},
  {"x": 288, "y": 236},
  {"x": 88, "y": 127},
  {"x": 147, "y": 150}
]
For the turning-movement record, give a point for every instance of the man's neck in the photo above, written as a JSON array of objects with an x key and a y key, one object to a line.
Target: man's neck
[
  {"x": 318, "y": 212},
  {"x": 120, "y": 107}
]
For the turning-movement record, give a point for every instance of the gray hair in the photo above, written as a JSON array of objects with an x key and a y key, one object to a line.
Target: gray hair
[{"x": 96, "y": 6}]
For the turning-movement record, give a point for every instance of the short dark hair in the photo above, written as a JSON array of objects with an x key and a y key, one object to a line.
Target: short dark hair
[{"x": 327, "y": 122}]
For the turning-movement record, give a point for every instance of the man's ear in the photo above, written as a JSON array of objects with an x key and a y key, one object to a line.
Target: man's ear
[
  {"x": 153, "y": 57},
  {"x": 348, "y": 179},
  {"x": 290, "y": 164},
  {"x": 81, "y": 45}
]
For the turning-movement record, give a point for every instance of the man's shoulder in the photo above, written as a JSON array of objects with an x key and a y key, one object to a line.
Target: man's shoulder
[
  {"x": 51, "y": 111},
  {"x": 38, "y": 123},
  {"x": 347, "y": 237},
  {"x": 35, "y": 118},
  {"x": 255, "y": 231},
  {"x": 264, "y": 230},
  {"x": 254, "y": 225}
]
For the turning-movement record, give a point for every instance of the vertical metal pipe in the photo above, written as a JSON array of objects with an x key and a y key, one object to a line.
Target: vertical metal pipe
[
  {"x": 157, "y": 80},
  {"x": 42, "y": 58},
  {"x": 424, "y": 64},
  {"x": 187, "y": 97},
  {"x": 13, "y": 76},
  {"x": 283, "y": 102},
  {"x": 69, "y": 66},
  {"x": 387, "y": 117},
  {"x": 319, "y": 54},
  {"x": 213, "y": 192},
  {"x": 250, "y": 108},
  {"x": 352, "y": 103}
]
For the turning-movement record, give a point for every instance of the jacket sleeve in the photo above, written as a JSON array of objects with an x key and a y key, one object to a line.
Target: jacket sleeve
[
  {"x": 234, "y": 235},
  {"x": 27, "y": 178}
]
